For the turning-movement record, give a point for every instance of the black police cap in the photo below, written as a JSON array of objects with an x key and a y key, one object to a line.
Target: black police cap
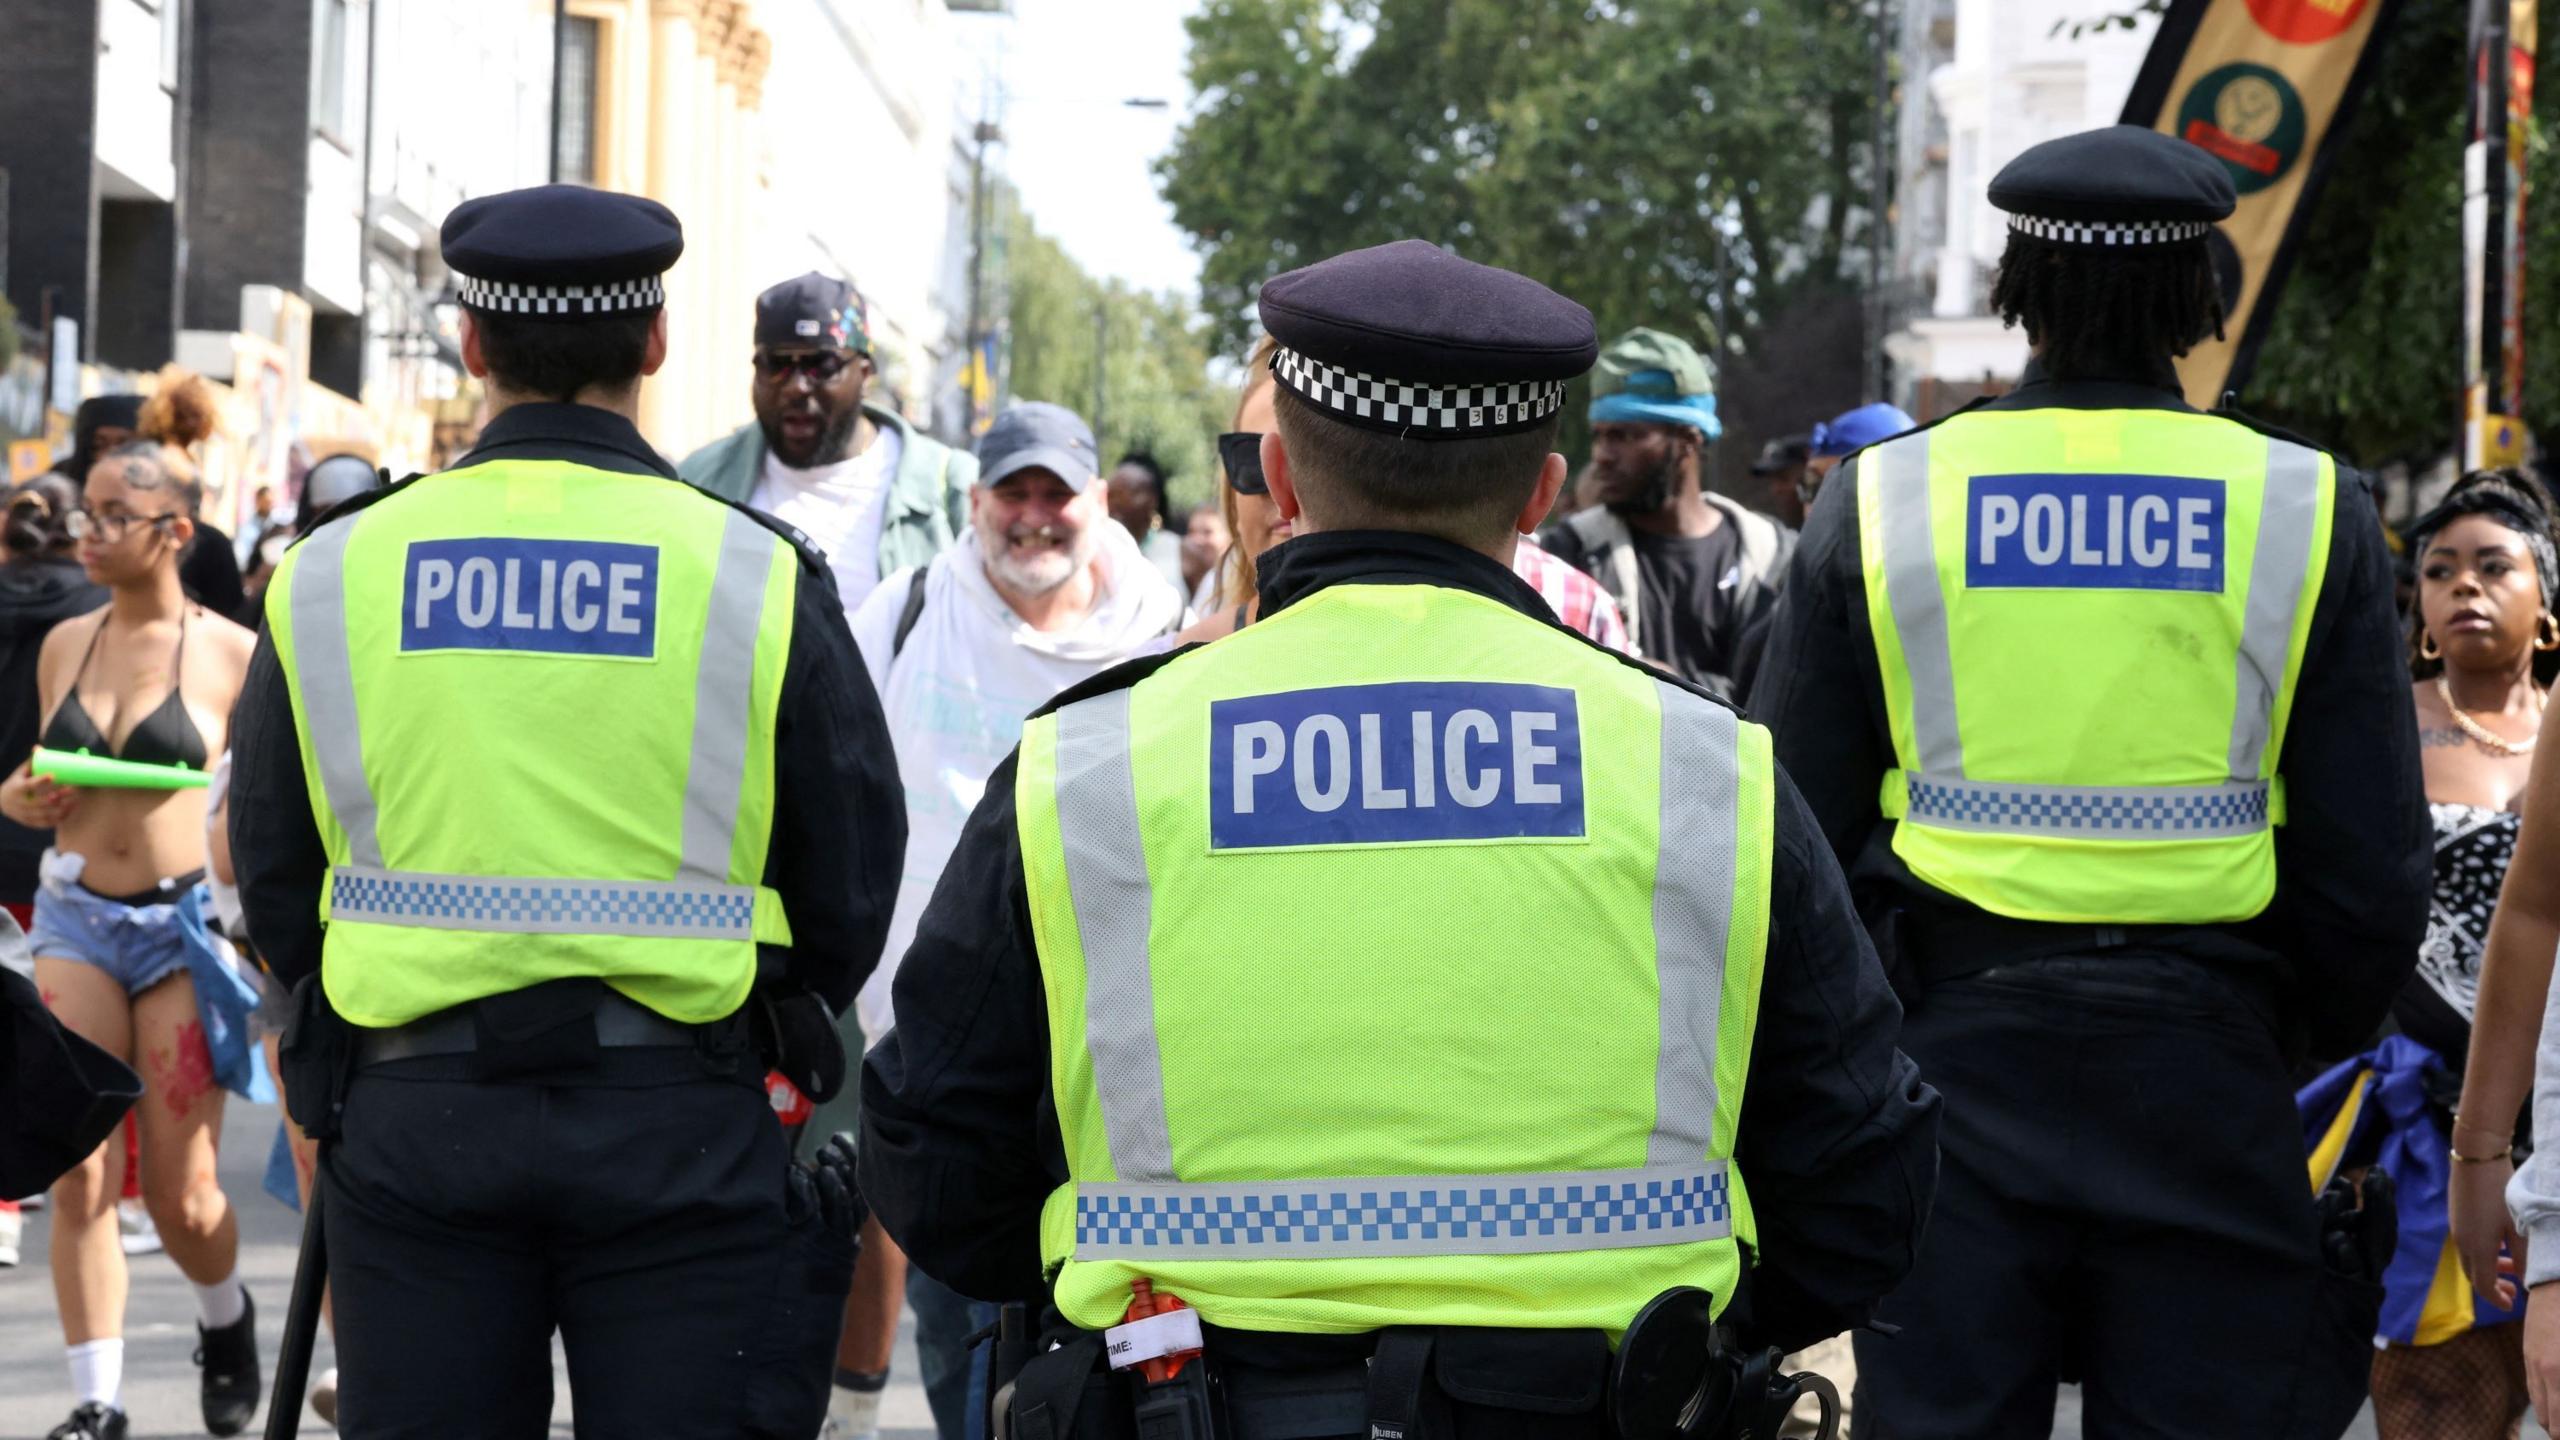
[
  {"x": 1411, "y": 340},
  {"x": 561, "y": 251},
  {"x": 2115, "y": 187}
]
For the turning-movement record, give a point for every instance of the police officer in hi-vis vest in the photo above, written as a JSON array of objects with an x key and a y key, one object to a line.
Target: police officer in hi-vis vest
[
  {"x": 1405, "y": 974},
  {"x": 2100, "y": 700},
  {"x": 558, "y": 774}
]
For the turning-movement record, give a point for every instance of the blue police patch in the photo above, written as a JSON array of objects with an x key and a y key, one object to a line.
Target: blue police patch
[
  {"x": 558, "y": 597},
  {"x": 2093, "y": 532},
  {"x": 1395, "y": 764}
]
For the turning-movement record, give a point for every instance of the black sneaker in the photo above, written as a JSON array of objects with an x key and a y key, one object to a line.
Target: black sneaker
[
  {"x": 92, "y": 1421},
  {"x": 229, "y": 1358}
]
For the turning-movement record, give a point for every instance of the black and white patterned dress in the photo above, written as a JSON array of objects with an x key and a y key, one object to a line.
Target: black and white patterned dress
[{"x": 2473, "y": 846}]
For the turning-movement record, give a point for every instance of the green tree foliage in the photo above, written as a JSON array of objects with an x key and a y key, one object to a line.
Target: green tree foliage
[
  {"x": 1149, "y": 352},
  {"x": 2366, "y": 348},
  {"x": 1696, "y": 165}
]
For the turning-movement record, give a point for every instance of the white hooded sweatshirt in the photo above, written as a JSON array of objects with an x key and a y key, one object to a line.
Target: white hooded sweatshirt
[{"x": 959, "y": 690}]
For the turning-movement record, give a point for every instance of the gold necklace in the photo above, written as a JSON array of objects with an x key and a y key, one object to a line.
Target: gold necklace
[{"x": 2490, "y": 740}]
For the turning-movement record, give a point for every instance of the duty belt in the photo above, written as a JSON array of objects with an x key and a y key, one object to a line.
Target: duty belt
[{"x": 619, "y": 1022}]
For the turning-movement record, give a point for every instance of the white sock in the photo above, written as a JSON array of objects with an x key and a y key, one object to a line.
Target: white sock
[
  {"x": 221, "y": 1303},
  {"x": 97, "y": 1372}
]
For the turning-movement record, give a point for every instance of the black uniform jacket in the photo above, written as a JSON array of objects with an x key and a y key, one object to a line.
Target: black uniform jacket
[
  {"x": 960, "y": 1141},
  {"x": 2354, "y": 859},
  {"x": 839, "y": 819}
]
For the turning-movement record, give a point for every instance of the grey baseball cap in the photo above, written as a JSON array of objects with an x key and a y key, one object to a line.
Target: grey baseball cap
[{"x": 1039, "y": 435}]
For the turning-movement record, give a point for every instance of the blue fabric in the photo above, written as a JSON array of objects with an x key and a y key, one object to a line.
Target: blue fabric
[
  {"x": 225, "y": 1003},
  {"x": 2397, "y": 1131},
  {"x": 1698, "y": 412},
  {"x": 280, "y": 1181},
  {"x": 954, "y": 1379},
  {"x": 1848, "y": 434},
  {"x": 139, "y": 945}
]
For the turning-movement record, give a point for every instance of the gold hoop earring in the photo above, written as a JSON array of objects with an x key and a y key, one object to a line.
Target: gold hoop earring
[
  {"x": 2427, "y": 645},
  {"x": 2546, "y": 634}
]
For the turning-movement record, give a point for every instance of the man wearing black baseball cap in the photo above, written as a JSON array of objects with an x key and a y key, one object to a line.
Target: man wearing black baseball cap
[{"x": 866, "y": 489}]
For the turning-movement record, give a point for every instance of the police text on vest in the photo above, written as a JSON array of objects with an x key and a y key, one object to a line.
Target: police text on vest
[
  {"x": 558, "y": 597},
  {"x": 1395, "y": 764},
  {"x": 2093, "y": 532}
]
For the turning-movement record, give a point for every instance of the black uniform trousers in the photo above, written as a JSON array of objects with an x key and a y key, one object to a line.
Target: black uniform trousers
[
  {"x": 636, "y": 1206},
  {"x": 2122, "y": 1201}
]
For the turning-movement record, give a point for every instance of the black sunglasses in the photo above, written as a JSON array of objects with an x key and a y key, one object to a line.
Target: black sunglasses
[
  {"x": 1241, "y": 453},
  {"x": 819, "y": 365}
]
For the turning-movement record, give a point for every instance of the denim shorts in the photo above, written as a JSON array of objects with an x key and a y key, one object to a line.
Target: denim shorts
[{"x": 136, "y": 939}]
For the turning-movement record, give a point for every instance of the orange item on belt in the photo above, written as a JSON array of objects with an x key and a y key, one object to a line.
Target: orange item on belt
[{"x": 1143, "y": 1302}]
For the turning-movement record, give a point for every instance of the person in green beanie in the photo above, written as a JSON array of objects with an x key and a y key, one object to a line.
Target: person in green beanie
[{"x": 1692, "y": 569}]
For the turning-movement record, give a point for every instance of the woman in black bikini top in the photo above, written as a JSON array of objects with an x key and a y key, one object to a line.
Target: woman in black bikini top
[{"x": 148, "y": 678}]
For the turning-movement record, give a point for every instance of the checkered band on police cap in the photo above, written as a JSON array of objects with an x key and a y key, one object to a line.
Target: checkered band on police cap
[
  {"x": 1446, "y": 412},
  {"x": 2109, "y": 234},
  {"x": 505, "y": 299}
]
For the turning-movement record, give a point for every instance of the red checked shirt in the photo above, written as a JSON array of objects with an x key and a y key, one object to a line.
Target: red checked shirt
[{"x": 1576, "y": 598}]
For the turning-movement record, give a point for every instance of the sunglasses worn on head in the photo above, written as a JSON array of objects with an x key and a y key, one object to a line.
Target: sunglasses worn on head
[
  {"x": 819, "y": 365},
  {"x": 1241, "y": 453}
]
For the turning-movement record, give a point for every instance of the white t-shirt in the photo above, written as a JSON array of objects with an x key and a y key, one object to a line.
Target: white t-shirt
[
  {"x": 956, "y": 696},
  {"x": 840, "y": 508}
]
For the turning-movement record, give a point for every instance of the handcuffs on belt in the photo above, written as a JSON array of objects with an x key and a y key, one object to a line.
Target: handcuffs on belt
[{"x": 1678, "y": 1377}]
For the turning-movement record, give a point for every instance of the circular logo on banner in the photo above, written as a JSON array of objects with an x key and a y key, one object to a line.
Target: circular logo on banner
[
  {"x": 2306, "y": 22},
  {"x": 2250, "y": 118}
]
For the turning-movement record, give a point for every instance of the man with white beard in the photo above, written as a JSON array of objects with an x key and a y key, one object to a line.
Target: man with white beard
[{"x": 1045, "y": 590}]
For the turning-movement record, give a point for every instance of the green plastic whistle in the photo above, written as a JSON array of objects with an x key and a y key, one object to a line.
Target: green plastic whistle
[{"x": 79, "y": 767}]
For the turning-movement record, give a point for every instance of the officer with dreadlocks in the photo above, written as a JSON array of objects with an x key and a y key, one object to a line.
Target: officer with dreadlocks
[{"x": 2099, "y": 700}]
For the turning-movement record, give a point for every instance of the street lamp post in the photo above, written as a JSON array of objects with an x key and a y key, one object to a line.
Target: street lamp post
[{"x": 987, "y": 133}]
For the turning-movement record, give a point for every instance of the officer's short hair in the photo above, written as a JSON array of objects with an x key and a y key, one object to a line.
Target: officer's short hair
[
  {"x": 556, "y": 359},
  {"x": 1468, "y": 491}
]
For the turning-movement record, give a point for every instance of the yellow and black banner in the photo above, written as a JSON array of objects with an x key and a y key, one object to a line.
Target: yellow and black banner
[{"x": 2267, "y": 87}]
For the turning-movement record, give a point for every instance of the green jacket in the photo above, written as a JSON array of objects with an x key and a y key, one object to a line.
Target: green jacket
[{"x": 928, "y": 504}]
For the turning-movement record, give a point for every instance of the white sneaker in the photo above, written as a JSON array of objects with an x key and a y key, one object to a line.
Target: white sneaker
[
  {"x": 12, "y": 1225},
  {"x": 851, "y": 1415},
  {"x": 324, "y": 1395},
  {"x": 133, "y": 1223}
]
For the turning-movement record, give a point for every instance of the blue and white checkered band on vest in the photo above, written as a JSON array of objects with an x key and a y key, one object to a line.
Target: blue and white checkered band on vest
[
  {"x": 1449, "y": 411},
  {"x": 503, "y": 298}
]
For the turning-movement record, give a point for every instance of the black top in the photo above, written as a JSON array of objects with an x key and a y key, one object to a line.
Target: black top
[
  {"x": 839, "y": 820},
  {"x": 35, "y": 596},
  {"x": 2352, "y": 862},
  {"x": 166, "y": 736},
  {"x": 1691, "y": 598},
  {"x": 960, "y": 1140}
]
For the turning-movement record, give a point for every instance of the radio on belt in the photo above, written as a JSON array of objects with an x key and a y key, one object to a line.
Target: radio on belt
[{"x": 1159, "y": 1339}]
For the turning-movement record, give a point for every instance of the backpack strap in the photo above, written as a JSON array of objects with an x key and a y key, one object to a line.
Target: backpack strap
[{"x": 910, "y": 610}]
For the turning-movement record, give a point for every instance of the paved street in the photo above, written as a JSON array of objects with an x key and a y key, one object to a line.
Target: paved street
[{"x": 160, "y": 1381}]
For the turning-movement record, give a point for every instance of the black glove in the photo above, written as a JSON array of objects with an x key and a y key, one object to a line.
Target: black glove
[
  {"x": 839, "y": 1188},
  {"x": 796, "y": 1034}
]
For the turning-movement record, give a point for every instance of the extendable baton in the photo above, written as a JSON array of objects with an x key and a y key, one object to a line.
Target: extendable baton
[{"x": 301, "y": 1323}]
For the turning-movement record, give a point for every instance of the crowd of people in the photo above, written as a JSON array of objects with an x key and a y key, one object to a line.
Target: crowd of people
[{"x": 980, "y": 583}]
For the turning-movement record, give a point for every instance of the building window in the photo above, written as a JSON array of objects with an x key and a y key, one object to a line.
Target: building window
[
  {"x": 330, "y": 93},
  {"x": 574, "y": 135},
  {"x": 171, "y": 17}
]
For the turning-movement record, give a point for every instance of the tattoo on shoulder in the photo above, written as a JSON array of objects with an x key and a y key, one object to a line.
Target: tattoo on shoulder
[{"x": 2445, "y": 739}]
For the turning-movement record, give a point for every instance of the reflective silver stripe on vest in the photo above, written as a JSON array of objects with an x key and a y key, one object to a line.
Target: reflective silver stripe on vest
[
  {"x": 1418, "y": 1215},
  {"x": 520, "y": 906},
  {"x": 2276, "y": 578},
  {"x": 327, "y": 681},
  {"x": 2089, "y": 812},
  {"x": 724, "y": 698},
  {"x": 1107, "y": 880},
  {"x": 1692, "y": 915},
  {"x": 1910, "y": 542}
]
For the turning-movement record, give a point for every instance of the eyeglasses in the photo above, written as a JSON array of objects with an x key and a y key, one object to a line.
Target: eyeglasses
[
  {"x": 1241, "y": 453},
  {"x": 84, "y": 522},
  {"x": 819, "y": 365}
]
